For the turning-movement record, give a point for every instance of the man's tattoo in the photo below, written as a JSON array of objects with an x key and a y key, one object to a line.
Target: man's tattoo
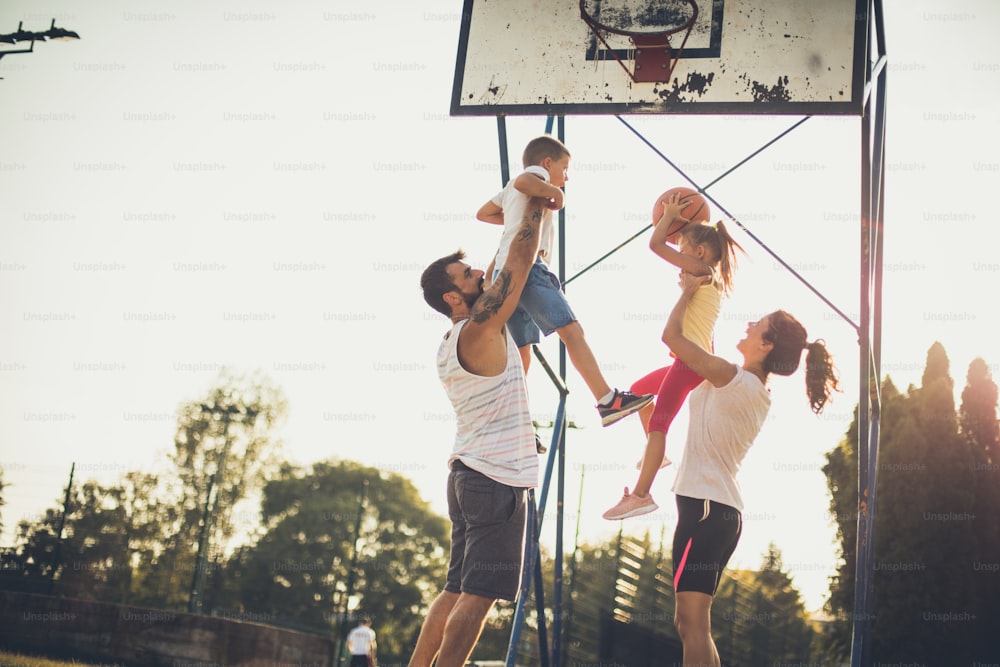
[
  {"x": 532, "y": 218},
  {"x": 487, "y": 305},
  {"x": 490, "y": 302}
]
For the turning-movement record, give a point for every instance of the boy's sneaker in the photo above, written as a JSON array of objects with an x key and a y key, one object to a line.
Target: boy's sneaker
[
  {"x": 663, "y": 464},
  {"x": 623, "y": 404},
  {"x": 539, "y": 447},
  {"x": 631, "y": 505}
]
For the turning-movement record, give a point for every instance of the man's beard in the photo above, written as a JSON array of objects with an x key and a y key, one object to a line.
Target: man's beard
[{"x": 470, "y": 299}]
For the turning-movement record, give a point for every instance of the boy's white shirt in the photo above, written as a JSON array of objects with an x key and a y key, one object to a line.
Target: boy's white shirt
[{"x": 514, "y": 204}]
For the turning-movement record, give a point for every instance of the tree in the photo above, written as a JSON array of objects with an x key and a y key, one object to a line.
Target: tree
[
  {"x": 978, "y": 413},
  {"x": 924, "y": 526},
  {"x": 94, "y": 558},
  {"x": 978, "y": 419},
  {"x": 297, "y": 573},
  {"x": 757, "y": 616},
  {"x": 36, "y": 551},
  {"x": 138, "y": 540},
  {"x": 108, "y": 532},
  {"x": 223, "y": 451},
  {"x": 791, "y": 633}
]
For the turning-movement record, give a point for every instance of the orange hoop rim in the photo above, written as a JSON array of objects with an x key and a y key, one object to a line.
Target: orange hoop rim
[{"x": 596, "y": 25}]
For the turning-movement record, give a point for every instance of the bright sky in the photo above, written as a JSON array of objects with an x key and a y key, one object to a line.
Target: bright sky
[{"x": 258, "y": 186}]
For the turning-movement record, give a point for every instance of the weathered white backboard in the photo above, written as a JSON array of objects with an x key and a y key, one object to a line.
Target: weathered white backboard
[{"x": 539, "y": 57}]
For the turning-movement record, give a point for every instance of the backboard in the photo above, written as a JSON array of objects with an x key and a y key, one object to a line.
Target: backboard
[{"x": 534, "y": 57}]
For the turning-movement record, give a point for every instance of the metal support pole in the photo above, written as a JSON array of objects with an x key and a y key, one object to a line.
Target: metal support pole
[
  {"x": 557, "y": 597},
  {"x": 195, "y": 600},
  {"x": 62, "y": 527},
  {"x": 573, "y": 560},
  {"x": 869, "y": 399},
  {"x": 504, "y": 160},
  {"x": 351, "y": 575},
  {"x": 543, "y": 635},
  {"x": 556, "y": 457},
  {"x": 527, "y": 572},
  {"x": 534, "y": 529}
]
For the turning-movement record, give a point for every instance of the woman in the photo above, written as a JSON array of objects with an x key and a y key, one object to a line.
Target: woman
[{"x": 727, "y": 412}]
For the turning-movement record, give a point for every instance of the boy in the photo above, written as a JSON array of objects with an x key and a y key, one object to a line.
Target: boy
[{"x": 543, "y": 307}]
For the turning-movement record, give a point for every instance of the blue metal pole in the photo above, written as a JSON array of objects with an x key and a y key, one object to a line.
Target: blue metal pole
[
  {"x": 527, "y": 571},
  {"x": 869, "y": 401},
  {"x": 543, "y": 635},
  {"x": 557, "y": 604},
  {"x": 532, "y": 566},
  {"x": 556, "y": 445},
  {"x": 504, "y": 160}
]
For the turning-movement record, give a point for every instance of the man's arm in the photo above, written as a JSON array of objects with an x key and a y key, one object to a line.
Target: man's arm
[
  {"x": 497, "y": 304},
  {"x": 488, "y": 278},
  {"x": 481, "y": 347}
]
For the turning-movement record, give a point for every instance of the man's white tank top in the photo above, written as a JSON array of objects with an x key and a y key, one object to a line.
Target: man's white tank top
[{"x": 494, "y": 433}]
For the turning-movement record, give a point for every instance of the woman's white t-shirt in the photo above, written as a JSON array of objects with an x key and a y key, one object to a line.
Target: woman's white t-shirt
[{"x": 723, "y": 425}]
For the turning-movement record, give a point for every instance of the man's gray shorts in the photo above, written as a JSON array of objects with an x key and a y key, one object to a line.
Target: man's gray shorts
[{"x": 487, "y": 534}]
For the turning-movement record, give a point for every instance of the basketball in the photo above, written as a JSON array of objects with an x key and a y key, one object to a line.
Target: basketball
[{"x": 696, "y": 209}]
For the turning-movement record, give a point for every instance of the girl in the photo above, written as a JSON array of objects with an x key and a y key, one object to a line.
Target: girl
[{"x": 704, "y": 251}]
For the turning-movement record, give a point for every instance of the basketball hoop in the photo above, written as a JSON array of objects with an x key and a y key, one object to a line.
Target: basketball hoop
[{"x": 653, "y": 59}]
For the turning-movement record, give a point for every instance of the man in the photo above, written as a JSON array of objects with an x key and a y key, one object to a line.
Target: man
[
  {"x": 361, "y": 643},
  {"x": 493, "y": 461}
]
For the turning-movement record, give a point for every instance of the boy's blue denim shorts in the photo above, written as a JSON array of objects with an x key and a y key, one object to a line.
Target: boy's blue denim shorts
[{"x": 543, "y": 307}]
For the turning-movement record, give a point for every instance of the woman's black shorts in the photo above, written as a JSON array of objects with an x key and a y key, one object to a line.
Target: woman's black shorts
[{"x": 706, "y": 536}]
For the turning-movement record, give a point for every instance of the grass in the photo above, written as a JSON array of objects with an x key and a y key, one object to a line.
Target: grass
[{"x": 8, "y": 659}]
